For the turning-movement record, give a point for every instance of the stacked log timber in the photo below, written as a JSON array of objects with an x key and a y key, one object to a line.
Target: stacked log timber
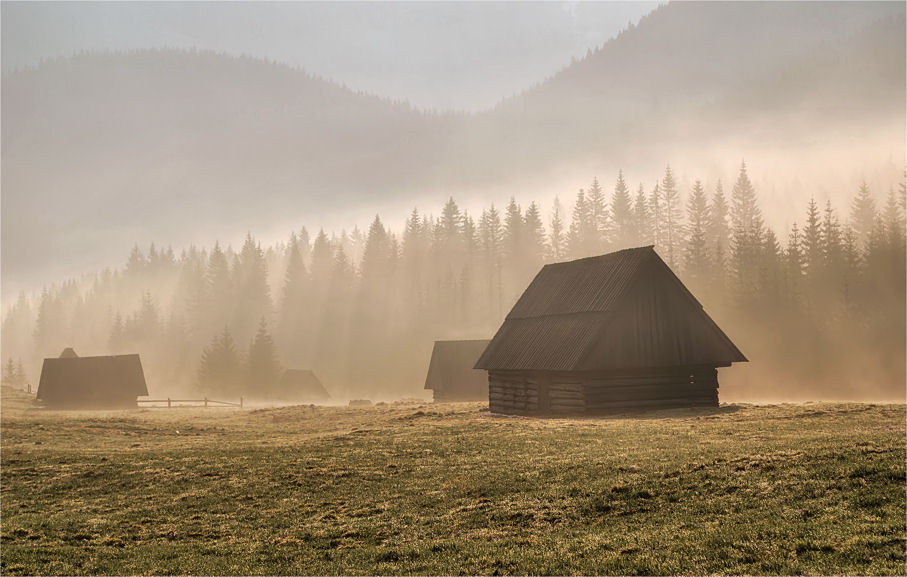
[
  {"x": 557, "y": 393},
  {"x": 606, "y": 334},
  {"x": 512, "y": 395}
]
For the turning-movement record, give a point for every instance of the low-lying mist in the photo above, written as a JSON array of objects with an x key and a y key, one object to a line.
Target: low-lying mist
[{"x": 818, "y": 307}]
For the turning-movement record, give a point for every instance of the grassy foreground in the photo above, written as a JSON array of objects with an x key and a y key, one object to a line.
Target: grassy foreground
[{"x": 404, "y": 488}]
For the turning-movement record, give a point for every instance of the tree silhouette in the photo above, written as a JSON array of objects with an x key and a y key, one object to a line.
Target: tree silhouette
[
  {"x": 262, "y": 368},
  {"x": 220, "y": 369},
  {"x": 363, "y": 309},
  {"x": 622, "y": 214},
  {"x": 556, "y": 241}
]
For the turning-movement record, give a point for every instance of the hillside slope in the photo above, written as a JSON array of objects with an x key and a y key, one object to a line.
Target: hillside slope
[{"x": 100, "y": 151}]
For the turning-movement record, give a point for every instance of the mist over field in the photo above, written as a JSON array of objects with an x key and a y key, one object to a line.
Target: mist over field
[
  {"x": 216, "y": 212},
  {"x": 434, "y": 288}
]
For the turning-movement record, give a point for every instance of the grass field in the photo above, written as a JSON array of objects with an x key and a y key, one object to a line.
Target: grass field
[{"x": 409, "y": 488}]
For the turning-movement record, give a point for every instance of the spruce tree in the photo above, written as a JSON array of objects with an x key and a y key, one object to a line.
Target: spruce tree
[
  {"x": 770, "y": 271},
  {"x": 148, "y": 319},
  {"x": 253, "y": 291},
  {"x": 135, "y": 266},
  {"x": 719, "y": 230},
  {"x": 117, "y": 334},
  {"x": 21, "y": 377},
  {"x": 831, "y": 239},
  {"x": 220, "y": 289},
  {"x": 696, "y": 255},
  {"x": 534, "y": 237},
  {"x": 556, "y": 240},
  {"x": 746, "y": 235},
  {"x": 491, "y": 238},
  {"x": 642, "y": 223},
  {"x": 49, "y": 323},
  {"x": 262, "y": 368},
  {"x": 598, "y": 226},
  {"x": 293, "y": 320},
  {"x": 581, "y": 234},
  {"x": 220, "y": 367},
  {"x": 470, "y": 237},
  {"x": 893, "y": 221},
  {"x": 513, "y": 233},
  {"x": 10, "y": 376},
  {"x": 862, "y": 214},
  {"x": 622, "y": 214},
  {"x": 656, "y": 217},
  {"x": 672, "y": 215},
  {"x": 377, "y": 254},
  {"x": 812, "y": 241},
  {"x": 322, "y": 259},
  {"x": 794, "y": 263},
  {"x": 414, "y": 258}
]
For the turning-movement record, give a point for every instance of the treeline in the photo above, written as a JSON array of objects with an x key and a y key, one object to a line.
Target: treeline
[{"x": 820, "y": 310}]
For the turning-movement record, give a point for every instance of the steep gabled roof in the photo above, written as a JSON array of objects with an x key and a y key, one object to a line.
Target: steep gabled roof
[
  {"x": 623, "y": 310},
  {"x": 451, "y": 367},
  {"x": 91, "y": 380},
  {"x": 302, "y": 384}
]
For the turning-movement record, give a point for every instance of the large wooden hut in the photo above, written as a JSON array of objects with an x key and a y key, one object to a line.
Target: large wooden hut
[
  {"x": 73, "y": 382},
  {"x": 603, "y": 334},
  {"x": 451, "y": 376},
  {"x": 301, "y": 385}
]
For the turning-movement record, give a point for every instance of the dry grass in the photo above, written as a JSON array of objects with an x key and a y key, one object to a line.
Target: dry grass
[{"x": 410, "y": 488}]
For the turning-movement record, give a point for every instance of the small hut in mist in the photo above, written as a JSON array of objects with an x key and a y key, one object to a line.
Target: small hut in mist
[
  {"x": 301, "y": 385},
  {"x": 451, "y": 375},
  {"x": 74, "y": 382},
  {"x": 603, "y": 334}
]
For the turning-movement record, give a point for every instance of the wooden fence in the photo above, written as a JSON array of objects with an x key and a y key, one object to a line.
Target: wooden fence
[{"x": 169, "y": 403}]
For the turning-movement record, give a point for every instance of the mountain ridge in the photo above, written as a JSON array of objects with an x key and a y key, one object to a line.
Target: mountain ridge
[{"x": 110, "y": 149}]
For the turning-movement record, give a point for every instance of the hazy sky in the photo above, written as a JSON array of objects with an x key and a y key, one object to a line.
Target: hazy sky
[{"x": 434, "y": 54}]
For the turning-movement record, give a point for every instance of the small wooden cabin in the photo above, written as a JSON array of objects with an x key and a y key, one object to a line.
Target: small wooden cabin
[
  {"x": 603, "y": 334},
  {"x": 301, "y": 385},
  {"x": 451, "y": 376},
  {"x": 73, "y": 382}
]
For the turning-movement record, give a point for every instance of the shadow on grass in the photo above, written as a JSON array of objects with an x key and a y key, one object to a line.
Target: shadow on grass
[{"x": 635, "y": 414}]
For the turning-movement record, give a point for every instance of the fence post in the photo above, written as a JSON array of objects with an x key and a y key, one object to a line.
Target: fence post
[
  {"x": 240, "y": 402},
  {"x": 168, "y": 402},
  {"x": 206, "y": 402}
]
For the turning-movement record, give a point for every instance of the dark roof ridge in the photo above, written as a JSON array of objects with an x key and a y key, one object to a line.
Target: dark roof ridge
[{"x": 650, "y": 247}]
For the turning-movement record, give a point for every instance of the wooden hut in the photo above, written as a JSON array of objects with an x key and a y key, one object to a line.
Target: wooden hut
[
  {"x": 451, "y": 376},
  {"x": 603, "y": 334},
  {"x": 73, "y": 382},
  {"x": 301, "y": 385}
]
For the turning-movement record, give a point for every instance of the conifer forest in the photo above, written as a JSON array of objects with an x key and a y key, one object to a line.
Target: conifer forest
[{"x": 820, "y": 305}]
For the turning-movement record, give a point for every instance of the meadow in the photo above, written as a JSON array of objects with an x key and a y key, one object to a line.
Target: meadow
[{"x": 421, "y": 488}]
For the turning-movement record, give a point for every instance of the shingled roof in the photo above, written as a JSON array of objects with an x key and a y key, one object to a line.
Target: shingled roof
[
  {"x": 91, "y": 381},
  {"x": 623, "y": 310},
  {"x": 302, "y": 384},
  {"x": 451, "y": 373}
]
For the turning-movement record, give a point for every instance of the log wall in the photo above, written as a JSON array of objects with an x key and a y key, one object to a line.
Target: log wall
[
  {"x": 536, "y": 392},
  {"x": 512, "y": 394}
]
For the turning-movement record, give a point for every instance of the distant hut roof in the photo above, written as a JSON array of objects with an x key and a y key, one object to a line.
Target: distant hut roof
[
  {"x": 622, "y": 310},
  {"x": 91, "y": 381},
  {"x": 69, "y": 353},
  {"x": 302, "y": 384},
  {"x": 451, "y": 373}
]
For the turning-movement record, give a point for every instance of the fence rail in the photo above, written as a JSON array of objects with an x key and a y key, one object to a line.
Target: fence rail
[{"x": 206, "y": 403}]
